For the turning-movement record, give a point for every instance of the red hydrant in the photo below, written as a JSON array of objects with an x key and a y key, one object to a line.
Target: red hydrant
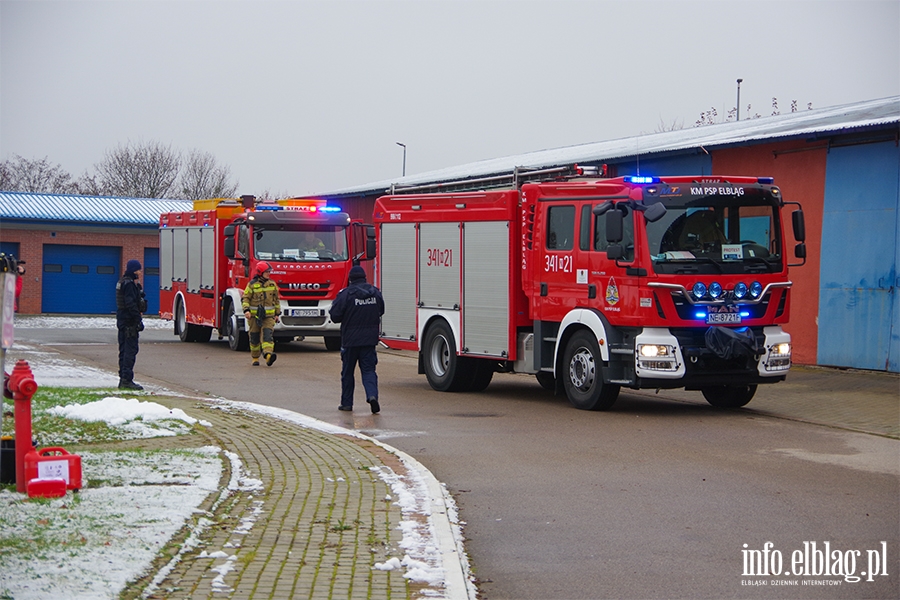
[{"x": 22, "y": 386}]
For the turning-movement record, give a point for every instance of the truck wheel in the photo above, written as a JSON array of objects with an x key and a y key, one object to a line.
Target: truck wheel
[
  {"x": 238, "y": 340},
  {"x": 729, "y": 396},
  {"x": 332, "y": 344},
  {"x": 188, "y": 332},
  {"x": 446, "y": 372},
  {"x": 583, "y": 375},
  {"x": 180, "y": 322}
]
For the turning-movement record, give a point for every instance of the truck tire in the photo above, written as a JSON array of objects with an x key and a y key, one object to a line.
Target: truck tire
[
  {"x": 332, "y": 344},
  {"x": 188, "y": 332},
  {"x": 446, "y": 372},
  {"x": 582, "y": 373},
  {"x": 729, "y": 396},
  {"x": 238, "y": 340}
]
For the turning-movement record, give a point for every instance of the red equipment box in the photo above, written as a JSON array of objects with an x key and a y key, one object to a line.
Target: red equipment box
[
  {"x": 46, "y": 488},
  {"x": 54, "y": 463}
]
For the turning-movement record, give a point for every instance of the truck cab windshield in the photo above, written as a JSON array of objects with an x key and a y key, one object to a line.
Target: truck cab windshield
[
  {"x": 711, "y": 235},
  {"x": 312, "y": 244}
]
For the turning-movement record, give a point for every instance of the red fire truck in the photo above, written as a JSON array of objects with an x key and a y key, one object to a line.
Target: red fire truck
[
  {"x": 590, "y": 283},
  {"x": 208, "y": 255}
]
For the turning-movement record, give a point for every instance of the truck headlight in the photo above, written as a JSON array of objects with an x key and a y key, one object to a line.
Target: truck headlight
[
  {"x": 656, "y": 357},
  {"x": 779, "y": 357}
]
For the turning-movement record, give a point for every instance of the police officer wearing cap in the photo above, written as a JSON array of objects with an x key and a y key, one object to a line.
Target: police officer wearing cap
[
  {"x": 358, "y": 308},
  {"x": 130, "y": 305}
]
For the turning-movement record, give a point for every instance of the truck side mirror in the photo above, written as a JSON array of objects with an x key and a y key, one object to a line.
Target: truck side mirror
[
  {"x": 228, "y": 232},
  {"x": 800, "y": 251},
  {"x": 799, "y": 225},
  {"x": 370, "y": 249},
  {"x": 655, "y": 212},
  {"x": 601, "y": 209},
  {"x": 615, "y": 251},
  {"x": 614, "y": 221}
]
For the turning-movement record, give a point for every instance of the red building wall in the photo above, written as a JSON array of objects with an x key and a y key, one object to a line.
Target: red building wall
[
  {"x": 799, "y": 170},
  {"x": 31, "y": 250}
]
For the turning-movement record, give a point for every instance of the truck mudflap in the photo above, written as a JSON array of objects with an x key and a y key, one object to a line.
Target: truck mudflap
[{"x": 699, "y": 358}]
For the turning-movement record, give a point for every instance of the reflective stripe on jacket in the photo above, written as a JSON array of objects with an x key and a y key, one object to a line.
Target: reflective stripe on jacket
[{"x": 261, "y": 293}]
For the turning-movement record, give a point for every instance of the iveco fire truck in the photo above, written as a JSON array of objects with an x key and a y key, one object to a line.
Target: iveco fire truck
[
  {"x": 591, "y": 283},
  {"x": 208, "y": 255}
]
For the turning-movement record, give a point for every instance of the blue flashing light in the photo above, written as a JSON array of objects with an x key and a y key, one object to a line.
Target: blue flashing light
[
  {"x": 740, "y": 290},
  {"x": 269, "y": 207},
  {"x": 638, "y": 179},
  {"x": 715, "y": 290},
  {"x": 766, "y": 180},
  {"x": 330, "y": 209},
  {"x": 700, "y": 314},
  {"x": 756, "y": 289},
  {"x": 699, "y": 290},
  {"x": 745, "y": 313}
]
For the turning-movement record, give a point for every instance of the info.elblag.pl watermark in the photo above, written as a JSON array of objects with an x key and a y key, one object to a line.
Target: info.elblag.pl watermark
[{"x": 812, "y": 565}]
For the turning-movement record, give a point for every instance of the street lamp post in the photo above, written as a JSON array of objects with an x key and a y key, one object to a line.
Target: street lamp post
[
  {"x": 739, "y": 100},
  {"x": 404, "y": 157}
]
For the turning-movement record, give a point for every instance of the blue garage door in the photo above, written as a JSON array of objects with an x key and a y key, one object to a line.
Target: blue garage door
[
  {"x": 151, "y": 280},
  {"x": 80, "y": 279},
  {"x": 858, "y": 296},
  {"x": 10, "y": 249}
]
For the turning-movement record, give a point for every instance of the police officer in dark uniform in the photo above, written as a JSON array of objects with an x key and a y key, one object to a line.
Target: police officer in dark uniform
[
  {"x": 358, "y": 308},
  {"x": 130, "y": 305}
]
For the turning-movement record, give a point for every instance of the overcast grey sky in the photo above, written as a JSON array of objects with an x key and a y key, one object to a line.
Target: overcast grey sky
[{"x": 309, "y": 96}]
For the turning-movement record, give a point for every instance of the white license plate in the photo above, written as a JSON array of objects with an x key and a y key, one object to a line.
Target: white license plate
[
  {"x": 720, "y": 318},
  {"x": 304, "y": 312}
]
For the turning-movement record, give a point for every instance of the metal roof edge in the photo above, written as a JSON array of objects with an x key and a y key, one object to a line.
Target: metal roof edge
[{"x": 854, "y": 116}]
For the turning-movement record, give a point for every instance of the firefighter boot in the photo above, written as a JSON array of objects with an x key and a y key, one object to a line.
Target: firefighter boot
[
  {"x": 254, "y": 361},
  {"x": 270, "y": 358}
]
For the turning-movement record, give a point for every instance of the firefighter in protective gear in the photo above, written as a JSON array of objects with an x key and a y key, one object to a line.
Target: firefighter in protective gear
[{"x": 262, "y": 309}]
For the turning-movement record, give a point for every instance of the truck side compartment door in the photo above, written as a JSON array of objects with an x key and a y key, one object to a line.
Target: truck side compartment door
[{"x": 397, "y": 279}]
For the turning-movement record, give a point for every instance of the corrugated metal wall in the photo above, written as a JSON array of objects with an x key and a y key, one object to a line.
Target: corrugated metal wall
[{"x": 858, "y": 305}]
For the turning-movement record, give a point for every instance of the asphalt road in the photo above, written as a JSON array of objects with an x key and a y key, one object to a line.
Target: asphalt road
[{"x": 662, "y": 497}]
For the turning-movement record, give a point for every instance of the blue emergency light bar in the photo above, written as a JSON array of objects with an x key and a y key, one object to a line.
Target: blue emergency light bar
[
  {"x": 638, "y": 179},
  {"x": 330, "y": 209}
]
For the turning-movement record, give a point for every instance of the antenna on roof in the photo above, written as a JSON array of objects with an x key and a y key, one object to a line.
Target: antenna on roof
[{"x": 638, "y": 141}]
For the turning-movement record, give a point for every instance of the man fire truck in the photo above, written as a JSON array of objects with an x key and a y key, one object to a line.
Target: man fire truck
[
  {"x": 591, "y": 284},
  {"x": 208, "y": 255}
]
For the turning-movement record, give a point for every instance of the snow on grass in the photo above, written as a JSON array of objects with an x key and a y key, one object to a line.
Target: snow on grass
[
  {"x": 91, "y": 544},
  {"x": 106, "y": 570}
]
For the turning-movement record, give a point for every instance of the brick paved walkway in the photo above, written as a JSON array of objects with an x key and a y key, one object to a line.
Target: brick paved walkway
[{"x": 313, "y": 525}]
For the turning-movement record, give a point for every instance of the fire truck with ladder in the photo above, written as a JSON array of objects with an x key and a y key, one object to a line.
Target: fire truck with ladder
[
  {"x": 591, "y": 283},
  {"x": 208, "y": 256}
]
